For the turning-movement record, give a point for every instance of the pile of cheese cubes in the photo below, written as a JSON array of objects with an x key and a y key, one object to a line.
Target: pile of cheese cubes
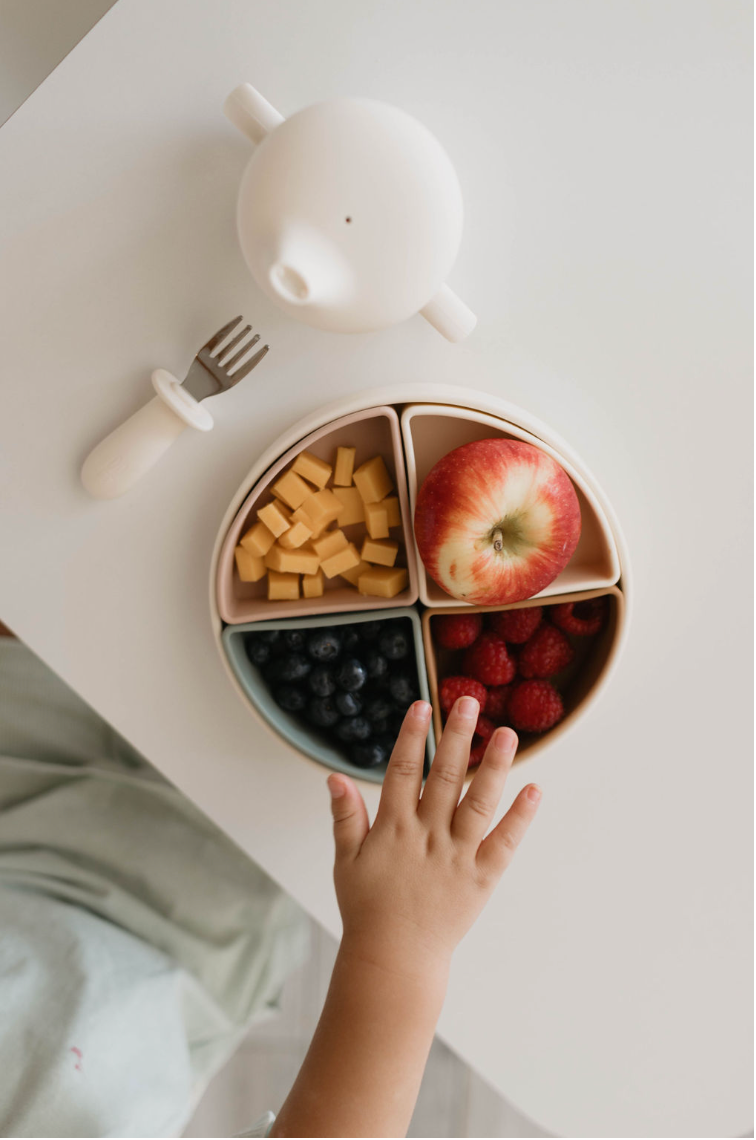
[{"x": 299, "y": 531}]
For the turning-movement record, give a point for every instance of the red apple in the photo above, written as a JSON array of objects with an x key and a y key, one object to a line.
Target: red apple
[{"x": 496, "y": 521}]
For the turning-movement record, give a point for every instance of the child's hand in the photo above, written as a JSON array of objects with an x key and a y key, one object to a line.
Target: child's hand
[{"x": 411, "y": 886}]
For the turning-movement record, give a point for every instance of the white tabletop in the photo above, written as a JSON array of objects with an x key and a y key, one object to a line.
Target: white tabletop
[{"x": 603, "y": 151}]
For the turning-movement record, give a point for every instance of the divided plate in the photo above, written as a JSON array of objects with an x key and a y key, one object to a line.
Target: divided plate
[{"x": 434, "y": 420}]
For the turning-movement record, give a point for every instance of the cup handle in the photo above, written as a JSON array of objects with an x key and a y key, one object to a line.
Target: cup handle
[
  {"x": 449, "y": 315},
  {"x": 253, "y": 115}
]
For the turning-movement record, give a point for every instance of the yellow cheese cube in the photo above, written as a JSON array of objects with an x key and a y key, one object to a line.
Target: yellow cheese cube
[
  {"x": 258, "y": 540},
  {"x": 376, "y": 520},
  {"x": 274, "y": 518},
  {"x": 292, "y": 489},
  {"x": 353, "y": 507},
  {"x": 353, "y": 573},
  {"x": 302, "y": 561},
  {"x": 380, "y": 550},
  {"x": 251, "y": 568},
  {"x": 382, "y": 582},
  {"x": 372, "y": 480},
  {"x": 340, "y": 562},
  {"x": 297, "y": 533},
  {"x": 344, "y": 466},
  {"x": 323, "y": 507},
  {"x": 312, "y": 585},
  {"x": 282, "y": 587},
  {"x": 330, "y": 543},
  {"x": 394, "y": 513},
  {"x": 315, "y": 470}
]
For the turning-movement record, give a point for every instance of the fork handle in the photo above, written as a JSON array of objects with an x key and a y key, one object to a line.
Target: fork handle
[{"x": 120, "y": 460}]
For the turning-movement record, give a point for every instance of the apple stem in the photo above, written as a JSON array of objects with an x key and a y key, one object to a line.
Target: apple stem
[{"x": 498, "y": 541}]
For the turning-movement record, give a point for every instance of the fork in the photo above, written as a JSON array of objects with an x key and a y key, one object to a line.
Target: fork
[{"x": 121, "y": 459}]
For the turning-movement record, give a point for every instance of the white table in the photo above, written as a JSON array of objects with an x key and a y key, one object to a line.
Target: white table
[{"x": 603, "y": 151}]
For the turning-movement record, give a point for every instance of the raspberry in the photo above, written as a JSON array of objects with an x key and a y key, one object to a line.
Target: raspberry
[
  {"x": 452, "y": 688},
  {"x": 547, "y": 651},
  {"x": 517, "y": 625},
  {"x": 498, "y": 699},
  {"x": 476, "y": 754},
  {"x": 580, "y": 617},
  {"x": 485, "y": 728},
  {"x": 488, "y": 661},
  {"x": 535, "y": 706},
  {"x": 456, "y": 631}
]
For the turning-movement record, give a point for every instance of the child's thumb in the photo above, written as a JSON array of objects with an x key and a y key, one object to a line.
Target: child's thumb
[{"x": 350, "y": 817}]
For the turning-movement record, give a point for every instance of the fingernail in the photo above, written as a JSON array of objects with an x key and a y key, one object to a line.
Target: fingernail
[
  {"x": 504, "y": 741},
  {"x": 468, "y": 708},
  {"x": 534, "y": 793},
  {"x": 421, "y": 710},
  {"x": 336, "y": 787}
]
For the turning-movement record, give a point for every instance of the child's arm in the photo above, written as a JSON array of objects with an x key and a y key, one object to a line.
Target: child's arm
[{"x": 408, "y": 888}]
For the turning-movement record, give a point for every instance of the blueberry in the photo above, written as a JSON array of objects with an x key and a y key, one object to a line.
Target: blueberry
[
  {"x": 394, "y": 643},
  {"x": 258, "y": 651},
  {"x": 403, "y": 690},
  {"x": 378, "y": 709},
  {"x": 353, "y": 728},
  {"x": 290, "y": 698},
  {"x": 396, "y": 720},
  {"x": 369, "y": 630},
  {"x": 376, "y": 665},
  {"x": 324, "y": 645},
  {"x": 351, "y": 675},
  {"x": 381, "y": 727},
  {"x": 295, "y": 640},
  {"x": 350, "y": 639},
  {"x": 387, "y": 740},
  {"x": 348, "y": 704},
  {"x": 322, "y": 681},
  {"x": 322, "y": 711},
  {"x": 293, "y": 667},
  {"x": 368, "y": 755},
  {"x": 269, "y": 635}
]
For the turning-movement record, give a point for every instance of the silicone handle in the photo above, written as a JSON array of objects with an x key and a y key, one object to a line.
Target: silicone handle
[
  {"x": 120, "y": 460},
  {"x": 449, "y": 315},
  {"x": 253, "y": 115}
]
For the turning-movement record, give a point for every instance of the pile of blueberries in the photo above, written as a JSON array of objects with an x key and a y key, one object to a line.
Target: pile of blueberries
[{"x": 354, "y": 683}]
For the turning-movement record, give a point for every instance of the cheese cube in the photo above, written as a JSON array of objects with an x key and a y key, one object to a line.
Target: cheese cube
[
  {"x": 376, "y": 520},
  {"x": 382, "y": 582},
  {"x": 301, "y": 515},
  {"x": 383, "y": 551},
  {"x": 297, "y": 533},
  {"x": 251, "y": 568},
  {"x": 330, "y": 543},
  {"x": 372, "y": 480},
  {"x": 315, "y": 470},
  {"x": 282, "y": 587},
  {"x": 274, "y": 518},
  {"x": 340, "y": 562},
  {"x": 292, "y": 489},
  {"x": 312, "y": 585},
  {"x": 258, "y": 540},
  {"x": 394, "y": 513},
  {"x": 344, "y": 466},
  {"x": 323, "y": 507},
  {"x": 354, "y": 572},
  {"x": 302, "y": 561},
  {"x": 353, "y": 506}
]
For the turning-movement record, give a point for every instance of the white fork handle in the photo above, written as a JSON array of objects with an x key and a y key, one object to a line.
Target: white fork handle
[{"x": 120, "y": 460}]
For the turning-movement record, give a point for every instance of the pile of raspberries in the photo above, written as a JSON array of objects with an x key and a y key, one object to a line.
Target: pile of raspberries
[{"x": 507, "y": 658}]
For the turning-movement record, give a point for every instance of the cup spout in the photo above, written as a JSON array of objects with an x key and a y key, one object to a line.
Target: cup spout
[{"x": 306, "y": 269}]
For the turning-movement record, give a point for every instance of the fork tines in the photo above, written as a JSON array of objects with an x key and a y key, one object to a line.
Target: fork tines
[{"x": 219, "y": 360}]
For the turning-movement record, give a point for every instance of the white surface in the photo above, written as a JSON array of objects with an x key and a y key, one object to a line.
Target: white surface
[{"x": 604, "y": 155}]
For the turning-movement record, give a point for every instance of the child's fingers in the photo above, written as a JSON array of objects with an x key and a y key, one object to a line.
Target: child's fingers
[
  {"x": 404, "y": 775},
  {"x": 498, "y": 848},
  {"x": 474, "y": 814},
  {"x": 350, "y": 817},
  {"x": 447, "y": 772}
]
